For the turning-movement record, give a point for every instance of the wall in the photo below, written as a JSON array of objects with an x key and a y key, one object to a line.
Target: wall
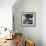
[
  {"x": 6, "y": 13},
  {"x": 33, "y": 33},
  {"x": 43, "y": 22}
]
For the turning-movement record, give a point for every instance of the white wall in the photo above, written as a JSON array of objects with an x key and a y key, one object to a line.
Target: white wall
[
  {"x": 33, "y": 33},
  {"x": 43, "y": 22},
  {"x": 38, "y": 33},
  {"x": 6, "y": 13}
]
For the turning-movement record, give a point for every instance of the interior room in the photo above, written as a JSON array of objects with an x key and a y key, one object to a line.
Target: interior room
[{"x": 22, "y": 22}]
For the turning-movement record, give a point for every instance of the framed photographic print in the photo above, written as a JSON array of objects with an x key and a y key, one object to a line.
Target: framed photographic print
[{"x": 28, "y": 19}]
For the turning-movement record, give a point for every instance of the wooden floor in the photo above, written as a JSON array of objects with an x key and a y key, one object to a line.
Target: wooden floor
[{"x": 9, "y": 43}]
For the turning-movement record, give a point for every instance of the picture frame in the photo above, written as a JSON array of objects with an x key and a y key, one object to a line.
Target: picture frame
[{"x": 28, "y": 19}]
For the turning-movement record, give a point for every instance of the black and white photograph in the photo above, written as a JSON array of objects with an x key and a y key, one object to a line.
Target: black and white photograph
[{"x": 28, "y": 18}]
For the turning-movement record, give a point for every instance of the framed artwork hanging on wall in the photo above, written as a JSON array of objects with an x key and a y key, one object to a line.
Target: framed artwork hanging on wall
[{"x": 28, "y": 19}]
